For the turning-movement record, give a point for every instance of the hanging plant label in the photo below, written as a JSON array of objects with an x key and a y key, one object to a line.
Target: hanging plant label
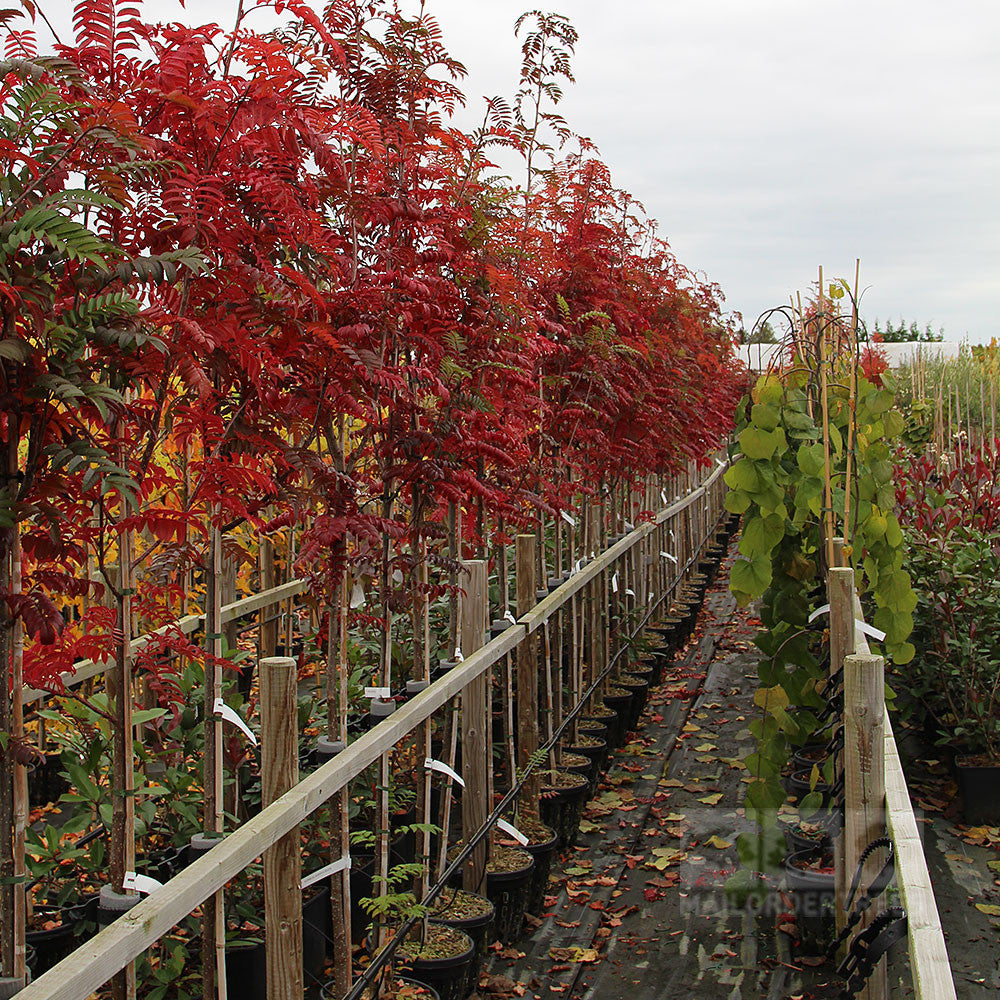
[
  {"x": 667, "y": 555},
  {"x": 822, "y": 610},
  {"x": 876, "y": 633},
  {"x": 141, "y": 883},
  {"x": 341, "y": 864},
  {"x": 443, "y": 768},
  {"x": 568, "y": 518},
  {"x": 378, "y": 692},
  {"x": 513, "y": 832},
  {"x": 222, "y": 709},
  {"x": 614, "y": 583}
]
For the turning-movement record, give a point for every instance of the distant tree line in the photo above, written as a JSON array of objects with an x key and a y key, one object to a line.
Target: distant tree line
[{"x": 901, "y": 333}]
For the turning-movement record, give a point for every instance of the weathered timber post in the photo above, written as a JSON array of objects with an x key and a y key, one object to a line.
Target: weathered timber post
[
  {"x": 527, "y": 674},
  {"x": 475, "y": 752},
  {"x": 864, "y": 789},
  {"x": 840, "y": 595},
  {"x": 282, "y": 863}
]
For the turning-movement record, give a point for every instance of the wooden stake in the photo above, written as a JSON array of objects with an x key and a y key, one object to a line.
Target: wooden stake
[
  {"x": 864, "y": 795},
  {"x": 475, "y": 752},
  {"x": 282, "y": 865}
]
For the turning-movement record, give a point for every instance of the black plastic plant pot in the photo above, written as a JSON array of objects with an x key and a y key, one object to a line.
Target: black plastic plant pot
[
  {"x": 561, "y": 808},
  {"x": 979, "y": 784},
  {"x": 639, "y": 686},
  {"x": 543, "y": 854},
  {"x": 813, "y": 838},
  {"x": 812, "y": 893},
  {"x": 508, "y": 892},
  {"x": 578, "y": 764},
  {"x": 481, "y": 929},
  {"x": 52, "y": 946},
  {"x": 316, "y": 921},
  {"x": 446, "y": 976},
  {"x": 246, "y": 970},
  {"x": 810, "y": 754},
  {"x": 613, "y": 728},
  {"x": 646, "y": 669},
  {"x": 797, "y": 785},
  {"x": 329, "y": 991},
  {"x": 619, "y": 700},
  {"x": 596, "y": 751}
]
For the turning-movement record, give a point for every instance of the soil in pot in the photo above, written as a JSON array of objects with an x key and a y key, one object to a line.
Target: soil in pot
[
  {"x": 401, "y": 988},
  {"x": 439, "y": 956},
  {"x": 802, "y": 836},
  {"x": 809, "y": 876},
  {"x": 508, "y": 881},
  {"x": 979, "y": 783},
  {"x": 578, "y": 764},
  {"x": 561, "y": 807},
  {"x": 473, "y": 914}
]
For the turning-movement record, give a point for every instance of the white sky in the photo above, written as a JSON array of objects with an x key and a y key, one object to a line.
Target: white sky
[{"x": 771, "y": 136}]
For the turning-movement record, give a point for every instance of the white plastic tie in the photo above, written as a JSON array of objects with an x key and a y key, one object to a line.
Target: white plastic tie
[
  {"x": 378, "y": 692},
  {"x": 513, "y": 832},
  {"x": 141, "y": 883},
  {"x": 508, "y": 617},
  {"x": 341, "y": 864},
  {"x": 630, "y": 592},
  {"x": 568, "y": 518},
  {"x": 614, "y": 583},
  {"x": 822, "y": 610},
  {"x": 663, "y": 496},
  {"x": 458, "y": 655},
  {"x": 222, "y": 709},
  {"x": 667, "y": 555},
  {"x": 357, "y": 595},
  {"x": 439, "y": 765}
]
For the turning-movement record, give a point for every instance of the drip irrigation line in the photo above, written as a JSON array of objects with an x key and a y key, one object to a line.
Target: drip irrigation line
[{"x": 379, "y": 961}]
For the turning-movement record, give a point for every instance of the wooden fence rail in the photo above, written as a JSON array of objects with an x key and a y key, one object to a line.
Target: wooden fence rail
[{"x": 112, "y": 949}]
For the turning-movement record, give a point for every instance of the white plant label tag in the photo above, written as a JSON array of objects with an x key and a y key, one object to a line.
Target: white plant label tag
[
  {"x": 630, "y": 592},
  {"x": 663, "y": 495},
  {"x": 822, "y": 610},
  {"x": 614, "y": 583},
  {"x": 357, "y": 596},
  {"x": 512, "y": 831},
  {"x": 222, "y": 709},
  {"x": 439, "y": 765},
  {"x": 458, "y": 655},
  {"x": 341, "y": 864},
  {"x": 509, "y": 617},
  {"x": 140, "y": 883},
  {"x": 568, "y": 518},
  {"x": 667, "y": 555},
  {"x": 876, "y": 633},
  {"x": 378, "y": 692}
]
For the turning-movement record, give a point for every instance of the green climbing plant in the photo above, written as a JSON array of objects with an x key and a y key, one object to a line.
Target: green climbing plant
[{"x": 814, "y": 460}]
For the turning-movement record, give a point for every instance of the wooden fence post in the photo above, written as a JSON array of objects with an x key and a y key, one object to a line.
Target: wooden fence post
[
  {"x": 475, "y": 753},
  {"x": 840, "y": 595},
  {"x": 282, "y": 863},
  {"x": 527, "y": 675},
  {"x": 864, "y": 774}
]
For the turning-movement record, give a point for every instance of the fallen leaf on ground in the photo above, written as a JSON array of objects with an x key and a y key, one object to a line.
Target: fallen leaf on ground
[
  {"x": 711, "y": 800},
  {"x": 716, "y": 841}
]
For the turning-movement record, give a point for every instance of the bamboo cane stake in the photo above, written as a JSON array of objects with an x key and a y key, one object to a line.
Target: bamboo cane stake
[
  {"x": 824, "y": 389},
  {"x": 853, "y": 394}
]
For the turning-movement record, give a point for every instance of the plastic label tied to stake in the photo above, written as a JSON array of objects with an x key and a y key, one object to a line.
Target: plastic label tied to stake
[
  {"x": 357, "y": 596},
  {"x": 862, "y": 626},
  {"x": 630, "y": 592},
  {"x": 223, "y": 710},
  {"x": 341, "y": 864},
  {"x": 667, "y": 555},
  {"x": 513, "y": 832},
  {"x": 568, "y": 518},
  {"x": 614, "y": 583},
  {"x": 140, "y": 883},
  {"x": 509, "y": 617},
  {"x": 378, "y": 692},
  {"x": 443, "y": 768}
]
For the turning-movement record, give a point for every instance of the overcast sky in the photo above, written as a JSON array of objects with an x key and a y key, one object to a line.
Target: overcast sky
[{"x": 771, "y": 136}]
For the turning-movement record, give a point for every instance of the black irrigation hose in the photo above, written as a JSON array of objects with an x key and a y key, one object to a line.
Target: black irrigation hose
[{"x": 377, "y": 963}]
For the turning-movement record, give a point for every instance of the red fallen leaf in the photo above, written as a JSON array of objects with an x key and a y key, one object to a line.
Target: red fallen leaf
[
  {"x": 652, "y": 894},
  {"x": 566, "y": 923},
  {"x": 596, "y": 906}
]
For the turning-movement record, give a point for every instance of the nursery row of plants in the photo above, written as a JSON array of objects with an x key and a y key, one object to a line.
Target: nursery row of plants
[
  {"x": 269, "y": 315},
  {"x": 845, "y": 463}
]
